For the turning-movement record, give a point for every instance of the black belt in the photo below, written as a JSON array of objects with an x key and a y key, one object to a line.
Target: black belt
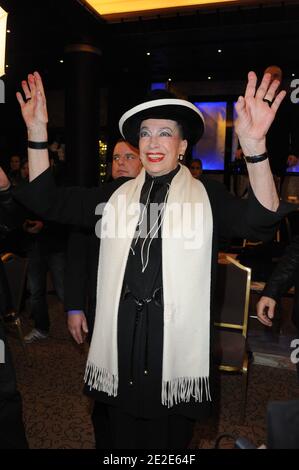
[
  {"x": 157, "y": 297},
  {"x": 141, "y": 305}
]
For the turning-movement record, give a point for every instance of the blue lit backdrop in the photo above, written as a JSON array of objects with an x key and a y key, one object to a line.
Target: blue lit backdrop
[
  {"x": 159, "y": 86},
  {"x": 210, "y": 149}
]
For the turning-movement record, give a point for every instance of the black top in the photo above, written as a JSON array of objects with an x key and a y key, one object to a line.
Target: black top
[
  {"x": 233, "y": 217},
  {"x": 142, "y": 343},
  {"x": 142, "y": 282}
]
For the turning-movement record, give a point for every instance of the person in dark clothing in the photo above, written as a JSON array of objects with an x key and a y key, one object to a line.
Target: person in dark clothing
[
  {"x": 285, "y": 275},
  {"x": 24, "y": 170},
  {"x": 81, "y": 281},
  {"x": 14, "y": 173},
  {"x": 195, "y": 167},
  {"x": 46, "y": 253},
  {"x": 82, "y": 268},
  {"x": 44, "y": 244},
  {"x": 150, "y": 357},
  {"x": 83, "y": 254},
  {"x": 12, "y": 431}
]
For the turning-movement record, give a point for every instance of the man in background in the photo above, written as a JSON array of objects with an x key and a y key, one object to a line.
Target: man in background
[
  {"x": 196, "y": 168},
  {"x": 82, "y": 255}
]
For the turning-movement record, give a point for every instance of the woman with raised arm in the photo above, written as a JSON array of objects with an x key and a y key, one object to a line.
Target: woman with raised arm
[{"x": 150, "y": 357}]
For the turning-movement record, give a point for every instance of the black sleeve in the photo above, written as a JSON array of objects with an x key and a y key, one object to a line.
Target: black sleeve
[
  {"x": 76, "y": 271},
  {"x": 242, "y": 218},
  {"x": 283, "y": 276},
  {"x": 67, "y": 205},
  {"x": 12, "y": 214}
]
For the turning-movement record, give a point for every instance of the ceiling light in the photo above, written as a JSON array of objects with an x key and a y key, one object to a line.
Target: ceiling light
[
  {"x": 148, "y": 53},
  {"x": 3, "y": 29},
  {"x": 121, "y": 7}
]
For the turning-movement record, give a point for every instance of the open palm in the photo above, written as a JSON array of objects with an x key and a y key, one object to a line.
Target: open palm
[
  {"x": 255, "y": 116},
  {"x": 34, "y": 107}
]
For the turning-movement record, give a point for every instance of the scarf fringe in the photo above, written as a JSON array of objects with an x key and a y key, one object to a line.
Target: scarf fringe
[
  {"x": 183, "y": 388},
  {"x": 101, "y": 379}
]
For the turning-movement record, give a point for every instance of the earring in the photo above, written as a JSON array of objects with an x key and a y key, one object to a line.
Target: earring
[{"x": 181, "y": 157}]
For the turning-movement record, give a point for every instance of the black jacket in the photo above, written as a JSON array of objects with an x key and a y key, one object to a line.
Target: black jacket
[
  {"x": 12, "y": 215},
  {"x": 286, "y": 275},
  {"x": 81, "y": 271}
]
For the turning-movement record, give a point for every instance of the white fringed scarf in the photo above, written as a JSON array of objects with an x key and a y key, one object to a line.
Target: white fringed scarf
[{"x": 186, "y": 270}]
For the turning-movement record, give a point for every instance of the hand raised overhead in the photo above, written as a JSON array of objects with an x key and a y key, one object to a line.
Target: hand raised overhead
[
  {"x": 35, "y": 115},
  {"x": 34, "y": 106},
  {"x": 255, "y": 116}
]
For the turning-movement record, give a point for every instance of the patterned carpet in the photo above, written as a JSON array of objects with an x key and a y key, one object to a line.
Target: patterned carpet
[{"x": 57, "y": 414}]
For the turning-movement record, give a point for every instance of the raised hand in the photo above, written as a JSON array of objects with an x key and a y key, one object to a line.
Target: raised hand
[
  {"x": 34, "y": 106},
  {"x": 35, "y": 115},
  {"x": 257, "y": 109}
]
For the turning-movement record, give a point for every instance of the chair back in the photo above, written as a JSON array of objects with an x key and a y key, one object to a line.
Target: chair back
[
  {"x": 232, "y": 306},
  {"x": 232, "y": 295},
  {"x": 16, "y": 270}
]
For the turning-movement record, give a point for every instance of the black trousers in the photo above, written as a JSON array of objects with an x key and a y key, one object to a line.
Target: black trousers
[
  {"x": 12, "y": 432},
  {"x": 5, "y": 294},
  {"x": 115, "y": 429}
]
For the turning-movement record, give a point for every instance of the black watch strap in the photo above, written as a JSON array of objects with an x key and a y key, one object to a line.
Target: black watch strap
[
  {"x": 256, "y": 158},
  {"x": 37, "y": 145}
]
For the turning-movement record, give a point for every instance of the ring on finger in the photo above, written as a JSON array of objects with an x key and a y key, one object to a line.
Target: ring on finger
[{"x": 266, "y": 100}]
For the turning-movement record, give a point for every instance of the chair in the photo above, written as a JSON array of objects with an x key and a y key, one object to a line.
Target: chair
[
  {"x": 15, "y": 269},
  {"x": 231, "y": 321}
]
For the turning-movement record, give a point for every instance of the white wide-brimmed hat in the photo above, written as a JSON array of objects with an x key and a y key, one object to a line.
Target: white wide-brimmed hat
[{"x": 183, "y": 112}]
